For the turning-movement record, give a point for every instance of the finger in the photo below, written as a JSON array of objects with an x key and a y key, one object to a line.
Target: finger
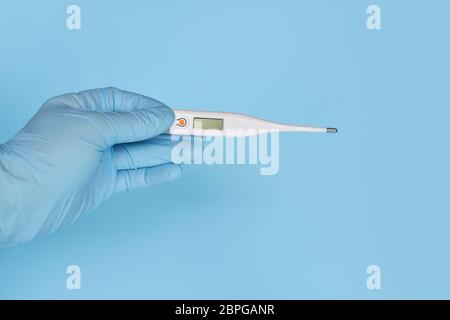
[
  {"x": 115, "y": 116},
  {"x": 188, "y": 149},
  {"x": 132, "y": 126},
  {"x": 156, "y": 151},
  {"x": 147, "y": 153},
  {"x": 108, "y": 99},
  {"x": 146, "y": 177}
]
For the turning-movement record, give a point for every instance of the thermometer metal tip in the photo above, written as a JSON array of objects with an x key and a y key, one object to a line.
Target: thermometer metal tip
[{"x": 331, "y": 130}]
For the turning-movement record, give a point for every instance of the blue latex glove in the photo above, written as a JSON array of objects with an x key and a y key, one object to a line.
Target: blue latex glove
[{"x": 78, "y": 150}]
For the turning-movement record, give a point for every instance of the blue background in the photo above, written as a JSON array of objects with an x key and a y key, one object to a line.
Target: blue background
[{"x": 375, "y": 193}]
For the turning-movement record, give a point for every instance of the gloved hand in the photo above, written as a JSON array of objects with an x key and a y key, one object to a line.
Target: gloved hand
[{"x": 78, "y": 150}]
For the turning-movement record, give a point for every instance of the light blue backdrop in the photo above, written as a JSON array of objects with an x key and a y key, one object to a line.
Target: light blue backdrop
[{"x": 375, "y": 193}]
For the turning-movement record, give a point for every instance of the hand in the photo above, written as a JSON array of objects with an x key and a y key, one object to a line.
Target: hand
[{"x": 78, "y": 150}]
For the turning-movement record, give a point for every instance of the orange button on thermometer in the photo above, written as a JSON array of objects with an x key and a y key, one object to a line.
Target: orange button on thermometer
[{"x": 181, "y": 122}]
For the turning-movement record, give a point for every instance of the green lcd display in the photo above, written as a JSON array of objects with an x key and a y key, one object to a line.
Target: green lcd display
[{"x": 208, "y": 123}]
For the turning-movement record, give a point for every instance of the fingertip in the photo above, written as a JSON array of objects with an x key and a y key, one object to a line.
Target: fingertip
[
  {"x": 175, "y": 172},
  {"x": 170, "y": 115},
  {"x": 162, "y": 174},
  {"x": 165, "y": 115}
]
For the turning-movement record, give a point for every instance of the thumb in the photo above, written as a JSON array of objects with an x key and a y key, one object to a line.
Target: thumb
[
  {"x": 133, "y": 125},
  {"x": 119, "y": 116}
]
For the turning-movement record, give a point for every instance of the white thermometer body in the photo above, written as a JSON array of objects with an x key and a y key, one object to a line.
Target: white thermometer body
[{"x": 210, "y": 123}]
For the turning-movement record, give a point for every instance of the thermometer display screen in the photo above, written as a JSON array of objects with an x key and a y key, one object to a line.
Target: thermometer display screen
[{"x": 208, "y": 123}]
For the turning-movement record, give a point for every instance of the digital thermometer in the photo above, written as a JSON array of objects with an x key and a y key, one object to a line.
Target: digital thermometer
[{"x": 209, "y": 123}]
